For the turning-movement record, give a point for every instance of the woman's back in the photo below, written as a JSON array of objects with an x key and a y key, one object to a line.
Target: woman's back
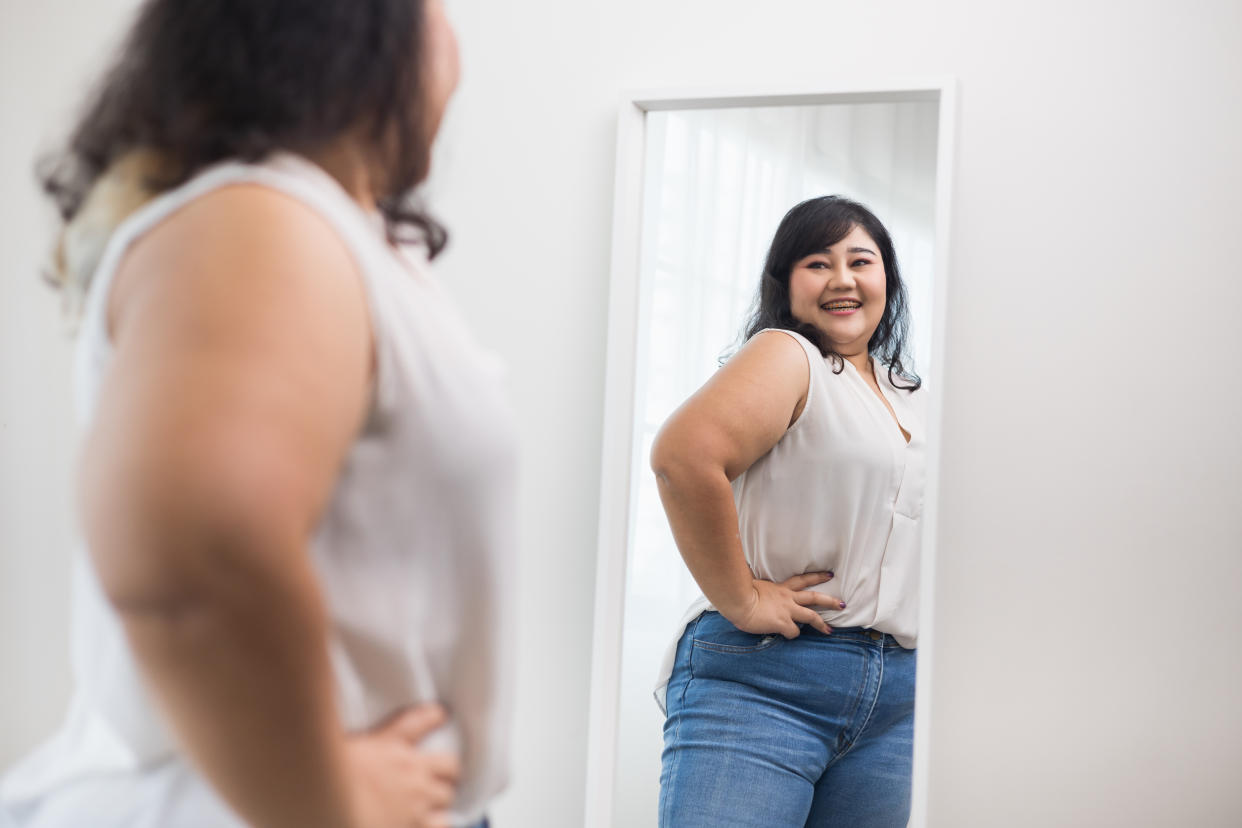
[{"x": 409, "y": 548}]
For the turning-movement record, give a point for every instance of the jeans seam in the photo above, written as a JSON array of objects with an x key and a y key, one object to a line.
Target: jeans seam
[
  {"x": 681, "y": 704},
  {"x": 732, "y": 649},
  {"x": 870, "y": 710}
]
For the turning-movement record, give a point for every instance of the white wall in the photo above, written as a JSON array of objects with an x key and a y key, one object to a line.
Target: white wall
[
  {"x": 1086, "y": 671},
  {"x": 44, "y": 48}
]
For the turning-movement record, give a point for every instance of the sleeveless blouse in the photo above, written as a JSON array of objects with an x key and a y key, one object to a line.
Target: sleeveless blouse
[
  {"x": 414, "y": 552},
  {"x": 841, "y": 490}
]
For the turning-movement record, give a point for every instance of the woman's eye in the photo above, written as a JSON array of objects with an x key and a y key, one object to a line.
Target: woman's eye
[
  {"x": 818, "y": 265},
  {"x": 861, "y": 262}
]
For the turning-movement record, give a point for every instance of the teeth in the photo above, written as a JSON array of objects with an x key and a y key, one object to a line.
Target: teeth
[{"x": 842, "y": 306}]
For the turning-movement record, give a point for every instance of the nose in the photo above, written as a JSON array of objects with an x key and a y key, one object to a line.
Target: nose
[{"x": 841, "y": 278}]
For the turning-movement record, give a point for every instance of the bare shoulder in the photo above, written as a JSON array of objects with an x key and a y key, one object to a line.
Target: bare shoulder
[
  {"x": 241, "y": 320},
  {"x": 773, "y": 360},
  {"x": 237, "y": 385},
  {"x": 743, "y": 410},
  {"x": 241, "y": 240},
  {"x": 776, "y": 345}
]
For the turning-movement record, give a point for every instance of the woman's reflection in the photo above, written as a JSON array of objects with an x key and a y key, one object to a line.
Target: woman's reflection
[{"x": 793, "y": 483}]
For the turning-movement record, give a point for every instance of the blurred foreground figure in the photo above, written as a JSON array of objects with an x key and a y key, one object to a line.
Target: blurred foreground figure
[{"x": 298, "y": 486}]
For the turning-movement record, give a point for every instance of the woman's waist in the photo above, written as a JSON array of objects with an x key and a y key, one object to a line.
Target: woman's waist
[
  {"x": 859, "y": 557},
  {"x": 864, "y": 635}
]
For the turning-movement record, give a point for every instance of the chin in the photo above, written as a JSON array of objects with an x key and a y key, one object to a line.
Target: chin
[{"x": 841, "y": 336}]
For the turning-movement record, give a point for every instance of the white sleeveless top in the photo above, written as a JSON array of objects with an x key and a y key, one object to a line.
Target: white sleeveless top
[
  {"x": 414, "y": 552},
  {"x": 841, "y": 490}
]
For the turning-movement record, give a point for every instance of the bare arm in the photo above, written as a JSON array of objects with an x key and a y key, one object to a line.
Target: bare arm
[
  {"x": 732, "y": 421},
  {"x": 239, "y": 381}
]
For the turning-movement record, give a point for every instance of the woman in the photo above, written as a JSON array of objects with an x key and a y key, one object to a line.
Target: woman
[
  {"x": 298, "y": 481},
  {"x": 793, "y": 484}
]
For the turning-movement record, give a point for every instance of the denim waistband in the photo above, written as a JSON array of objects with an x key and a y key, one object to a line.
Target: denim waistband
[{"x": 863, "y": 634}]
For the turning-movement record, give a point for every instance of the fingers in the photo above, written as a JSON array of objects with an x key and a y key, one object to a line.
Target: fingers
[
  {"x": 809, "y": 616},
  {"x": 413, "y": 725},
  {"x": 818, "y": 599},
  {"x": 443, "y": 766},
  {"x": 396, "y": 781},
  {"x": 430, "y": 793},
  {"x": 806, "y": 579},
  {"x": 437, "y": 795}
]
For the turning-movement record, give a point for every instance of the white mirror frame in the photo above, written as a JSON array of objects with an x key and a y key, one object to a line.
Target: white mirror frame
[{"x": 617, "y": 467}]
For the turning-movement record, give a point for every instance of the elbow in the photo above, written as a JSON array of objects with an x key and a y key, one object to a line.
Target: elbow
[
  {"x": 154, "y": 560},
  {"x": 160, "y": 578},
  {"x": 174, "y": 528},
  {"x": 193, "y": 586},
  {"x": 141, "y": 572},
  {"x": 677, "y": 464},
  {"x": 665, "y": 457}
]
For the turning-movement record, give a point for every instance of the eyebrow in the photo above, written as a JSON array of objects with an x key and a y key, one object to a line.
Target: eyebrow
[{"x": 853, "y": 250}]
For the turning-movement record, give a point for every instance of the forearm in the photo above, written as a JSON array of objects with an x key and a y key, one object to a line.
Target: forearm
[
  {"x": 699, "y": 503},
  {"x": 242, "y": 674}
]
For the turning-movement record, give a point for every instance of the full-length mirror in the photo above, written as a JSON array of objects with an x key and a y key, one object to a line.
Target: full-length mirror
[{"x": 703, "y": 184}]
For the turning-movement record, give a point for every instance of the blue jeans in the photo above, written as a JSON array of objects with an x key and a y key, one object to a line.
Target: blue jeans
[{"x": 764, "y": 732}]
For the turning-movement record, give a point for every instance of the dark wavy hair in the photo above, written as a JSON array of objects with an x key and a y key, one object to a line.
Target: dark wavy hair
[
  {"x": 807, "y": 228},
  {"x": 204, "y": 81}
]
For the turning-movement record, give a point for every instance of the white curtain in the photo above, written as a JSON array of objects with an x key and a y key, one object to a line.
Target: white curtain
[{"x": 717, "y": 183}]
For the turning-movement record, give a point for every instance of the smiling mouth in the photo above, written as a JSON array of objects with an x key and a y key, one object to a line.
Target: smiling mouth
[{"x": 842, "y": 305}]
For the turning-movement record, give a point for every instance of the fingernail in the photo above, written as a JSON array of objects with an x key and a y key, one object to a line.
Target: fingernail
[
  {"x": 842, "y": 605},
  {"x": 831, "y": 574}
]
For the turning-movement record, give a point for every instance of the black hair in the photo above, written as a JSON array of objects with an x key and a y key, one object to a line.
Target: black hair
[
  {"x": 209, "y": 80},
  {"x": 807, "y": 228}
]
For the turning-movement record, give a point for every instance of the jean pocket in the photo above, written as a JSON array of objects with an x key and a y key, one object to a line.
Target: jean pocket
[{"x": 714, "y": 632}]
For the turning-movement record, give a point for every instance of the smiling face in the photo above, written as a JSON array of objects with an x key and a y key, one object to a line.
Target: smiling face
[{"x": 841, "y": 291}]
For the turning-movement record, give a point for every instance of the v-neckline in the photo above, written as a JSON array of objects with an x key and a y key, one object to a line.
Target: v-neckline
[{"x": 890, "y": 411}]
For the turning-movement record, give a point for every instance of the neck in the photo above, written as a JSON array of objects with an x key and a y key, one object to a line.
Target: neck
[
  {"x": 344, "y": 161},
  {"x": 861, "y": 361}
]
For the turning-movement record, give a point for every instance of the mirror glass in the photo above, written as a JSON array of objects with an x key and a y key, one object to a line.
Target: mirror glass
[{"x": 716, "y": 183}]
